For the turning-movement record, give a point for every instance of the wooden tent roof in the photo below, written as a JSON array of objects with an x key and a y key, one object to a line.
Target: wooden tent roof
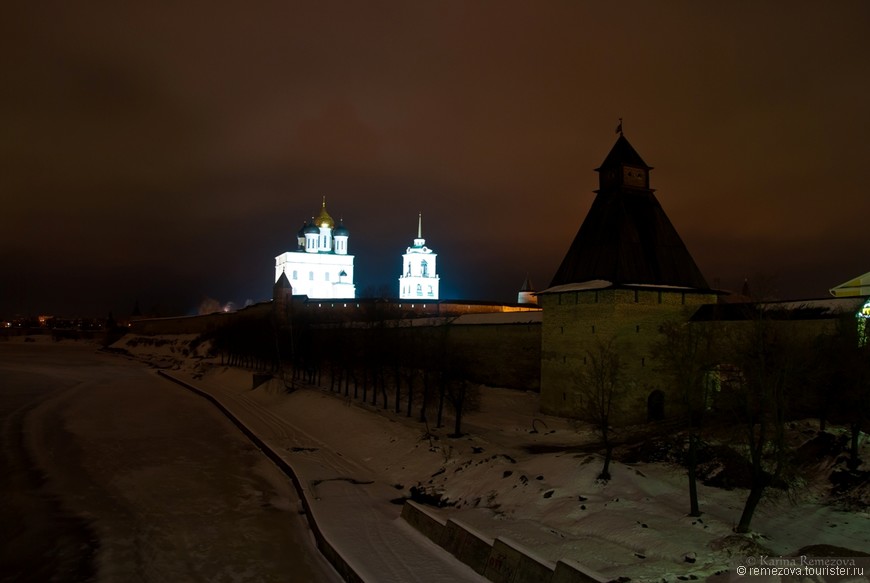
[{"x": 627, "y": 238}]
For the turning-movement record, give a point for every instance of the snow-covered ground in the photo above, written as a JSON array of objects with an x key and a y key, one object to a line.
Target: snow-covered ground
[{"x": 634, "y": 526}]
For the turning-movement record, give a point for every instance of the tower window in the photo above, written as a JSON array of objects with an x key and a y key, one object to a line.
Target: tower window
[
  {"x": 419, "y": 289},
  {"x": 295, "y": 274},
  {"x": 326, "y": 276},
  {"x": 310, "y": 276}
]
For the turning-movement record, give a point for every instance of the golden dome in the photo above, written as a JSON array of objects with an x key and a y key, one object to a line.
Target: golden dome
[{"x": 323, "y": 220}]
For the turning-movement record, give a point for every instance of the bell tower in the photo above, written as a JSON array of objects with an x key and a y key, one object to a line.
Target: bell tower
[{"x": 419, "y": 279}]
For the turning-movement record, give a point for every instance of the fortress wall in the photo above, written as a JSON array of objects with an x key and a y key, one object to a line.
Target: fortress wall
[
  {"x": 198, "y": 324},
  {"x": 504, "y": 355},
  {"x": 576, "y": 323}
]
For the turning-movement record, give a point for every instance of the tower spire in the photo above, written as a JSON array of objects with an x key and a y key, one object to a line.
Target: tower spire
[{"x": 419, "y": 278}]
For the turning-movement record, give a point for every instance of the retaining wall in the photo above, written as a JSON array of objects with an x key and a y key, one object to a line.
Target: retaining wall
[{"x": 500, "y": 560}]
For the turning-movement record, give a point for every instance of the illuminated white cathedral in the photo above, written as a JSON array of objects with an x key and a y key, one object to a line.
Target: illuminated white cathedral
[
  {"x": 320, "y": 266},
  {"x": 419, "y": 279}
]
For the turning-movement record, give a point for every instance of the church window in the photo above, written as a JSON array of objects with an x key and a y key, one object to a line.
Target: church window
[
  {"x": 419, "y": 289},
  {"x": 425, "y": 267},
  {"x": 431, "y": 293},
  {"x": 295, "y": 274},
  {"x": 310, "y": 276},
  {"x": 326, "y": 276}
]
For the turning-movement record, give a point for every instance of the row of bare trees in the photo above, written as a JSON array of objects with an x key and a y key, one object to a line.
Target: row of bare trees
[
  {"x": 380, "y": 358},
  {"x": 756, "y": 375},
  {"x": 383, "y": 359}
]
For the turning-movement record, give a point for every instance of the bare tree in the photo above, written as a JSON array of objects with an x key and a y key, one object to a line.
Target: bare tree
[
  {"x": 462, "y": 395},
  {"x": 685, "y": 353},
  {"x": 599, "y": 392},
  {"x": 769, "y": 362}
]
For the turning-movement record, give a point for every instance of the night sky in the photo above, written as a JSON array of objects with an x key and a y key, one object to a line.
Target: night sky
[{"x": 166, "y": 155}]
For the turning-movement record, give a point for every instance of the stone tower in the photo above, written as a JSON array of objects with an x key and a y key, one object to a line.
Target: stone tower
[{"x": 626, "y": 272}]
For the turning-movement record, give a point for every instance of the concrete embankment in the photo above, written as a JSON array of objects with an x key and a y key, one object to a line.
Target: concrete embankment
[{"x": 500, "y": 560}]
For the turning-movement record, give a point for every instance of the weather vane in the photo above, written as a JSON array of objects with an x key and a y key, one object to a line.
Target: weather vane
[{"x": 619, "y": 127}]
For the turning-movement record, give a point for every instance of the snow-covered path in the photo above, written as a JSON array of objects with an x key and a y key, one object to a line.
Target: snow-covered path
[{"x": 350, "y": 504}]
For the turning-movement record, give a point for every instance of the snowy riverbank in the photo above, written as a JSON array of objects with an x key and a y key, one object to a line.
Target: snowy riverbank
[{"x": 633, "y": 526}]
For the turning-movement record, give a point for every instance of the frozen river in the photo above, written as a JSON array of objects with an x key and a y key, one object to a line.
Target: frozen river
[{"x": 111, "y": 473}]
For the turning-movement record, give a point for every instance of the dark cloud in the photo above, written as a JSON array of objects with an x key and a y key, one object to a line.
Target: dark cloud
[{"x": 169, "y": 152}]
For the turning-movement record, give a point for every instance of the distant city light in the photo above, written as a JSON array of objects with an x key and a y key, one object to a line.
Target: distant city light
[{"x": 863, "y": 317}]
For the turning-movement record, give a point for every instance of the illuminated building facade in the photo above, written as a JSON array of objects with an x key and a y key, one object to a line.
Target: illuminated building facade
[
  {"x": 419, "y": 279},
  {"x": 320, "y": 267}
]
